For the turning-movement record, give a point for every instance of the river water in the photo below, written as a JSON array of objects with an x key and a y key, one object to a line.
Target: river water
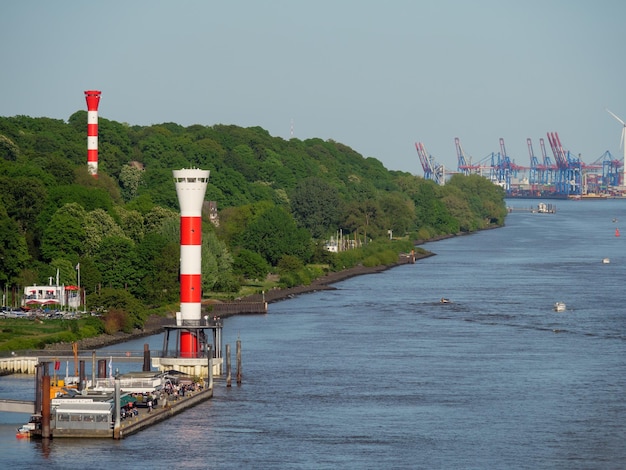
[{"x": 380, "y": 374}]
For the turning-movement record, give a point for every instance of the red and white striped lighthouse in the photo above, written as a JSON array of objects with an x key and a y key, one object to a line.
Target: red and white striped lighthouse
[
  {"x": 93, "y": 99},
  {"x": 190, "y": 188}
]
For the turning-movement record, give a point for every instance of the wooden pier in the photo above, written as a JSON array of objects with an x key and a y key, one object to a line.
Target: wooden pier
[{"x": 228, "y": 309}]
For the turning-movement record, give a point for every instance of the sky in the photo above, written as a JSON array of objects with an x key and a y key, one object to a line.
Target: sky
[{"x": 377, "y": 76}]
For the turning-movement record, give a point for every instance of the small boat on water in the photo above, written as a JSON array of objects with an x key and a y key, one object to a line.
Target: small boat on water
[
  {"x": 443, "y": 300},
  {"x": 606, "y": 260},
  {"x": 25, "y": 431},
  {"x": 559, "y": 306}
]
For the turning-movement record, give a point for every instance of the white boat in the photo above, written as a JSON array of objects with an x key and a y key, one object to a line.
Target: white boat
[
  {"x": 443, "y": 300},
  {"x": 25, "y": 431},
  {"x": 606, "y": 260},
  {"x": 544, "y": 208},
  {"x": 559, "y": 306}
]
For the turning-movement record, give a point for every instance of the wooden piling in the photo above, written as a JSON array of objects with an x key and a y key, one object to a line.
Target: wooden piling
[
  {"x": 228, "y": 377},
  {"x": 82, "y": 382},
  {"x": 102, "y": 368},
  {"x": 209, "y": 355},
  {"x": 45, "y": 407},
  {"x": 117, "y": 421},
  {"x": 146, "y": 358},
  {"x": 93, "y": 366},
  {"x": 238, "y": 352}
]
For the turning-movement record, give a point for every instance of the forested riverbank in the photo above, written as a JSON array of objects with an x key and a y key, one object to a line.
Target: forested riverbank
[{"x": 278, "y": 218}]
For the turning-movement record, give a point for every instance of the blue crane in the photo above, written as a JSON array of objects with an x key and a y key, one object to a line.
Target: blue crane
[
  {"x": 432, "y": 170},
  {"x": 534, "y": 174},
  {"x": 610, "y": 170},
  {"x": 502, "y": 168},
  {"x": 569, "y": 169},
  {"x": 548, "y": 167}
]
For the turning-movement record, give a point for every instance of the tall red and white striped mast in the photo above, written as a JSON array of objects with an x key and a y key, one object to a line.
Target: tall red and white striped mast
[
  {"x": 93, "y": 100},
  {"x": 193, "y": 354},
  {"x": 190, "y": 187}
]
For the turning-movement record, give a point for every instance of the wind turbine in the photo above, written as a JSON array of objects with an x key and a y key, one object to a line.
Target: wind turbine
[{"x": 622, "y": 144}]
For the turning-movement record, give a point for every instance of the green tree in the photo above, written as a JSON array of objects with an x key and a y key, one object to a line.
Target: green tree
[
  {"x": 457, "y": 204},
  {"x": 485, "y": 199},
  {"x": 363, "y": 219},
  {"x": 234, "y": 220},
  {"x": 158, "y": 261},
  {"x": 430, "y": 210},
  {"x": 156, "y": 217},
  {"x": 216, "y": 261},
  {"x": 99, "y": 225},
  {"x": 68, "y": 274},
  {"x": 8, "y": 149},
  {"x": 64, "y": 235},
  {"x": 58, "y": 166},
  {"x": 90, "y": 275},
  {"x": 132, "y": 223},
  {"x": 316, "y": 206},
  {"x": 250, "y": 265},
  {"x": 130, "y": 180},
  {"x": 397, "y": 212},
  {"x": 274, "y": 233},
  {"x": 116, "y": 259},
  {"x": 13, "y": 251},
  {"x": 120, "y": 300},
  {"x": 24, "y": 199}
]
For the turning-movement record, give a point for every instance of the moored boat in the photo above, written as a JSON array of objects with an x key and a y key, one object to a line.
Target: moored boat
[
  {"x": 559, "y": 306},
  {"x": 25, "y": 430}
]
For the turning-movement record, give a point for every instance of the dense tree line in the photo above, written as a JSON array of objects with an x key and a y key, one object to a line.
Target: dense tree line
[{"x": 278, "y": 201}]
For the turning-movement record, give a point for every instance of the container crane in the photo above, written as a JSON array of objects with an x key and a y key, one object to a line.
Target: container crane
[
  {"x": 432, "y": 170},
  {"x": 610, "y": 170},
  {"x": 534, "y": 175},
  {"x": 464, "y": 167},
  {"x": 503, "y": 168},
  {"x": 569, "y": 169},
  {"x": 548, "y": 174},
  {"x": 593, "y": 182}
]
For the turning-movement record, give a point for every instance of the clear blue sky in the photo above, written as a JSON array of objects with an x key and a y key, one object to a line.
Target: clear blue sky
[{"x": 377, "y": 76}]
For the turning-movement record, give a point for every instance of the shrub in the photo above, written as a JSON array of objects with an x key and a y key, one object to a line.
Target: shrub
[{"x": 117, "y": 320}]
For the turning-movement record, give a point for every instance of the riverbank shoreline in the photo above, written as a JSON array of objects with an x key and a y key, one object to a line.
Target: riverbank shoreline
[{"x": 155, "y": 324}]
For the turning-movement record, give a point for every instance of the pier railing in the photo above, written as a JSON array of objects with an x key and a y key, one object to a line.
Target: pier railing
[{"x": 25, "y": 362}]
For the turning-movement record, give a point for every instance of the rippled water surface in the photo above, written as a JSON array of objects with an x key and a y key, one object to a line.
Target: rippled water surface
[{"x": 379, "y": 374}]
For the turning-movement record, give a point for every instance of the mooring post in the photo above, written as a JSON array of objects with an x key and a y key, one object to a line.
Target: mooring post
[
  {"x": 102, "y": 368},
  {"x": 146, "y": 358},
  {"x": 42, "y": 369},
  {"x": 45, "y": 407},
  {"x": 209, "y": 354},
  {"x": 228, "y": 378},
  {"x": 117, "y": 426},
  {"x": 238, "y": 352},
  {"x": 93, "y": 368},
  {"x": 82, "y": 385}
]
